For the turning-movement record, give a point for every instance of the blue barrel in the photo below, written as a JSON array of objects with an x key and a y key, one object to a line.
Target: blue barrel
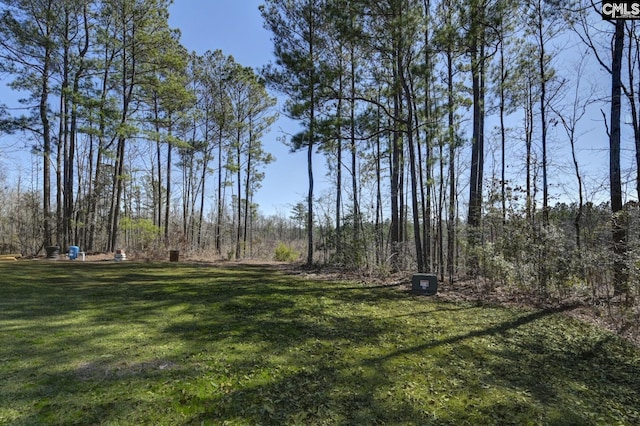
[{"x": 73, "y": 252}]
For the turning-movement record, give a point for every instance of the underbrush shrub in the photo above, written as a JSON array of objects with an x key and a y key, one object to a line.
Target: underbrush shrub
[
  {"x": 284, "y": 253},
  {"x": 559, "y": 260},
  {"x": 494, "y": 266},
  {"x": 540, "y": 262},
  {"x": 552, "y": 266},
  {"x": 382, "y": 270},
  {"x": 536, "y": 262},
  {"x": 632, "y": 269},
  {"x": 597, "y": 273}
]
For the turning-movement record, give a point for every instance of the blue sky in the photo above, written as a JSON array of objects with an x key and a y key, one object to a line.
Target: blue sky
[{"x": 236, "y": 28}]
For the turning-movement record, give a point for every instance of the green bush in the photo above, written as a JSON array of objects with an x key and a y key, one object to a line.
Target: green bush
[{"x": 284, "y": 253}]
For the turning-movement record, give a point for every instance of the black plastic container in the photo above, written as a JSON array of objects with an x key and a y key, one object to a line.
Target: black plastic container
[{"x": 426, "y": 284}]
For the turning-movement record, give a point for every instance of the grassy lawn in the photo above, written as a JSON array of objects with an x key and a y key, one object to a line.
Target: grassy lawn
[{"x": 173, "y": 343}]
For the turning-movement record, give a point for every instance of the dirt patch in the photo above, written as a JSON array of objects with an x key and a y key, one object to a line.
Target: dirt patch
[{"x": 107, "y": 368}]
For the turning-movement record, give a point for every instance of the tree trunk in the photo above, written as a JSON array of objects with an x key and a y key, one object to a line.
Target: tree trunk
[
  {"x": 503, "y": 136},
  {"x": 619, "y": 231},
  {"x": 220, "y": 200},
  {"x": 528, "y": 143},
  {"x": 339, "y": 246},
  {"x": 451, "y": 223},
  {"x": 310, "y": 194},
  {"x": 158, "y": 202},
  {"x": 203, "y": 177},
  {"x": 417, "y": 236},
  {"x": 312, "y": 117},
  {"x": 379, "y": 215},
  {"x": 65, "y": 186},
  {"x": 239, "y": 200},
  {"x": 117, "y": 196},
  {"x": 396, "y": 150},
  {"x": 356, "y": 243},
  {"x": 477, "y": 151},
  {"x": 46, "y": 135},
  {"x": 543, "y": 120},
  {"x": 167, "y": 205},
  {"x": 425, "y": 168},
  {"x": 60, "y": 182},
  {"x": 247, "y": 190}
]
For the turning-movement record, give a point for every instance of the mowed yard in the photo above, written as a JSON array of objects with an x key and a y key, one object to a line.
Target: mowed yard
[{"x": 176, "y": 343}]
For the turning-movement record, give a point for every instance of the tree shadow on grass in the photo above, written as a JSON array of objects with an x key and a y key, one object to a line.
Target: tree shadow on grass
[
  {"x": 549, "y": 379},
  {"x": 320, "y": 394},
  {"x": 556, "y": 373},
  {"x": 269, "y": 348}
]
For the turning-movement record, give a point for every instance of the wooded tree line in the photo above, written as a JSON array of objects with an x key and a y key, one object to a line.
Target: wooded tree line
[
  {"x": 439, "y": 122},
  {"x": 397, "y": 94},
  {"x": 115, "y": 105}
]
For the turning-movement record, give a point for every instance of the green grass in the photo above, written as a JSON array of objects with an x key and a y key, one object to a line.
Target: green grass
[{"x": 126, "y": 343}]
